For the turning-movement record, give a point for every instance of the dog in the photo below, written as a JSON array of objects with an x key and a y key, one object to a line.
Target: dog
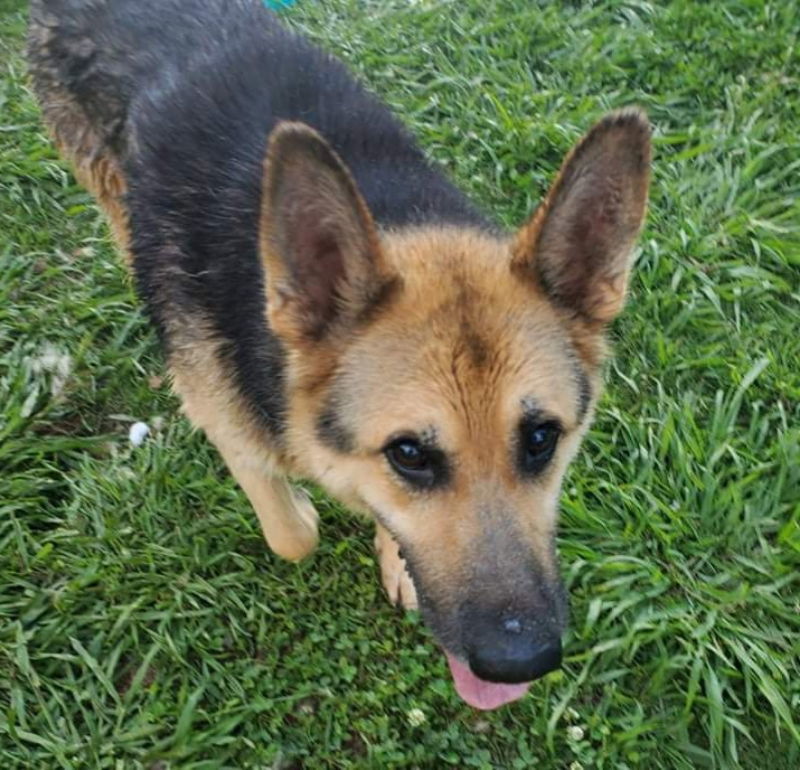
[{"x": 333, "y": 308}]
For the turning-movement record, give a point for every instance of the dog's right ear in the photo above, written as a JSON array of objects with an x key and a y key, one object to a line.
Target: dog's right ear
[{"x": 321, "y": 253}]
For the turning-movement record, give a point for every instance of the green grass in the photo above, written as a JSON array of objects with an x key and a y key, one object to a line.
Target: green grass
[{"x": 142, "y": 621}]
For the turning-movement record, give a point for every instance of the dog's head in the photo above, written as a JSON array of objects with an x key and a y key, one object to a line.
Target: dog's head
[{"x": 443, "y": 377}]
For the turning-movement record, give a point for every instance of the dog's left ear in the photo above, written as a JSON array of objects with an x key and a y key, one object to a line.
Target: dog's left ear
[
  {"x": 319, "y": 245},
  {"x": 578, "y": 244}
]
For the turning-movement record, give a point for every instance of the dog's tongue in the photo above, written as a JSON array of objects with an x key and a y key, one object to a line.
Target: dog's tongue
[{"x": 479, "y": 693}]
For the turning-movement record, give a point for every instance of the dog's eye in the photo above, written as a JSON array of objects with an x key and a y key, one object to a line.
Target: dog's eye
[
  {"x": 414, "y": 462},
  {"x": 538, "y": 444}
]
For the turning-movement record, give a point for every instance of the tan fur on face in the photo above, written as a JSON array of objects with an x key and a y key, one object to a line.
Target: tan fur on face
[
  {"x": 479, "y": 332},
  {"x": 461, "y": 348}
]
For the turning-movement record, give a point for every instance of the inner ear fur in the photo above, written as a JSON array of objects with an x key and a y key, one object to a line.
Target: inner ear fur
[
  {"x": 319, "y": 245},
  {"x": 578, "y": 244}
]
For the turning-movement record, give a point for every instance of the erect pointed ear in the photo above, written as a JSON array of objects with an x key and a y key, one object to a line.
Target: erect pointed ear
[
  {"x": 320, "y": 249},
  {"x": 578, "y": 244}
]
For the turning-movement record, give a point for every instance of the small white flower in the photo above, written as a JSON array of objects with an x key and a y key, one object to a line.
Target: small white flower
[
  {"x": 575, "y": 766},
  {"x": 481, "y": 726},
  {"x": 416, "y": 717},
  {"x": 138, "y": 433},
  {"x": 575, "y": 732}
]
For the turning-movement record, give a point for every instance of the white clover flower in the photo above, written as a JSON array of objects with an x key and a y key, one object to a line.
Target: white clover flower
[
  {"x": 575, "y": 732},
  {"x": 416, "y": 717}
]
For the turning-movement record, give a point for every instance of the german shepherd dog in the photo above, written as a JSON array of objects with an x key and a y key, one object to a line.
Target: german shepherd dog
[{"x": 332, "y": 307}]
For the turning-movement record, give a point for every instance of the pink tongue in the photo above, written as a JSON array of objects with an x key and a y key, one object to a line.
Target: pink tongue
[{"x": 479, "y": 693}]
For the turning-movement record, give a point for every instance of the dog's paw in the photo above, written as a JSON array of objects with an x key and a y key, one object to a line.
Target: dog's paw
[
  {"x": 299, "y": 535},
  {"x": 394, "y": 575}
]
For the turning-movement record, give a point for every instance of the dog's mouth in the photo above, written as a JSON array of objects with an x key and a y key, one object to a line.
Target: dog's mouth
[{"x": 479, "y": 693}]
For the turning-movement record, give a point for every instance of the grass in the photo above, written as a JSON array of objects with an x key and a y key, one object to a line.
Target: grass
[{"x": 143, "y": 623}]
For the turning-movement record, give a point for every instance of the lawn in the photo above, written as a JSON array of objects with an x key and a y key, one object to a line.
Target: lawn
[{"x": 144, "y": 624}]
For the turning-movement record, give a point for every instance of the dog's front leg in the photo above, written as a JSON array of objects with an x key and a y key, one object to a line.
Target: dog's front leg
[{"x": 394, "y": 575}]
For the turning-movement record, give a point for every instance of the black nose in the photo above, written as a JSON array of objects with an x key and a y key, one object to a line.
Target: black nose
[{"x": 513, "y": 655}]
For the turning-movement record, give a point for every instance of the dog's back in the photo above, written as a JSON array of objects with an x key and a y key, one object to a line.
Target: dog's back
[
  {"x": 98, "y": 55},
  {"x": 165, "y": 107},
  {"x": 179, "y": 75}
]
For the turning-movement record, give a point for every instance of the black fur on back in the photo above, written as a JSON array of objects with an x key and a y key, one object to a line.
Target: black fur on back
[{"x": 185, "y": 93}]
